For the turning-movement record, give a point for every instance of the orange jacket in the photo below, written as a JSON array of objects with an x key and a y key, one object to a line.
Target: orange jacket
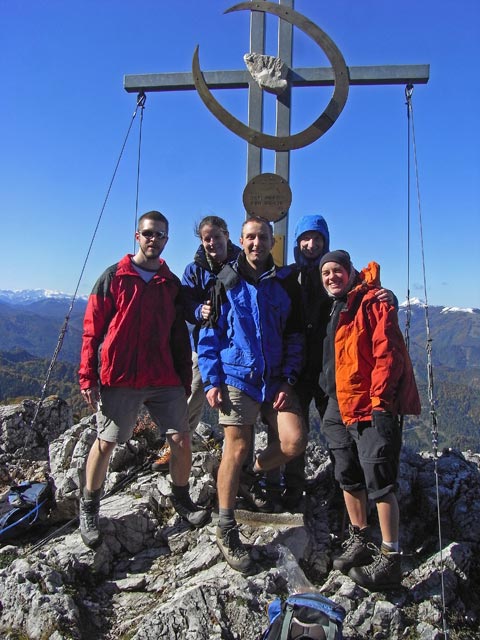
[{"x": 373, "y": 368}]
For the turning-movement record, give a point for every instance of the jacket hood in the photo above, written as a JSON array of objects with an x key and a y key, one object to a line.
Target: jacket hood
[
  {"x": 310, "y": 223},
  {"x": 370, "y": 275},
  {"x": 367, "y": 278}
]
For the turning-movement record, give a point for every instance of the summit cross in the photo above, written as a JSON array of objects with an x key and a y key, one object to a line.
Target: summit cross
[{"x": 298, "y": 77}]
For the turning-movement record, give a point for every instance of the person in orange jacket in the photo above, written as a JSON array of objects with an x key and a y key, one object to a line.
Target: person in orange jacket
[{"x": 368, "y": 377}]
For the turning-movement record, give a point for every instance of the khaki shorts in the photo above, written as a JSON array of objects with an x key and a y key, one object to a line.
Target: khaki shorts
[
  {"x": 120, "y": 406},
  {"x": 239, "y": 409}
]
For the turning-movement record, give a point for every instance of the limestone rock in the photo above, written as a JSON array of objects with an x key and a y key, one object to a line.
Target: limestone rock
[
  {"x": 269, "y": 73},
  {"x": 155, "y": 577}
]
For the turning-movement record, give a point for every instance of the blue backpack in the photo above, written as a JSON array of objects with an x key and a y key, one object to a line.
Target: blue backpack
[
  {"x": 303, "y": 616},
  {"x": 25, "y": 505}
]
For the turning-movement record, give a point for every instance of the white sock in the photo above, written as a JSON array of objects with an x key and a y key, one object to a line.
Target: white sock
[{"x": 390, "y": 546}]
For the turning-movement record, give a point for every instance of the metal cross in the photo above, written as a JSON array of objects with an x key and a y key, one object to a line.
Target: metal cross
[{"x": 310, "y": 76}]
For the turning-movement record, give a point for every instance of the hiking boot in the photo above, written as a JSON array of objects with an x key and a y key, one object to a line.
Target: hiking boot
[
  {"x": 292, "y": 499},
  {"x": 273, "y": 502},
  {"x": 264, "y": 500},
  {"x": 234, "y": 551},
  {"x": 88, "y": 516},
  {"x": 385, "y": 572},
  {"x": 356, "y": 550},
  {"x": 255, "y": 498},
  {"x": 251, "y": 491},
  {"x": 193, "y": 513},
  {"x": 162, "y": 463}
]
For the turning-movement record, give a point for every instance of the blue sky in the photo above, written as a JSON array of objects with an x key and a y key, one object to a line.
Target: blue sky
[{"x": 64, "y": 115}]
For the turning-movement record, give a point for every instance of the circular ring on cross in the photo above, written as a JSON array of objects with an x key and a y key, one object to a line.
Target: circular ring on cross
[{"x": 322, "y": 124}]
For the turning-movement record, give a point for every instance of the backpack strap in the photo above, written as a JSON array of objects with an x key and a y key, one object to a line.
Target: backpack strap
[
  {"x": 227, "y": 278},
  {"x": 332, "y": 629},
  {"x": 287, "y": 620}
]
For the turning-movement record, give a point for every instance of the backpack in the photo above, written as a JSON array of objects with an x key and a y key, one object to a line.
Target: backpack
[
  {"x": 303, "y": 616},
  {"x": 24, "y": 505}
]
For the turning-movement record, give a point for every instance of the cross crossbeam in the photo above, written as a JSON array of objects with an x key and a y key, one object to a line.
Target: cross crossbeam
[{"x": 301, "y": 77}]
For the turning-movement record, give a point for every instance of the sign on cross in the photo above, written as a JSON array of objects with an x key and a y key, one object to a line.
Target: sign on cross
[{"x": 304, "y": 77}]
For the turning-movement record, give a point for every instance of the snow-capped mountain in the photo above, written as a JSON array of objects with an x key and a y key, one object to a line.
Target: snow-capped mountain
[
  {"x": 27, "y": 296},
  {"x": 416, "y": 302}
]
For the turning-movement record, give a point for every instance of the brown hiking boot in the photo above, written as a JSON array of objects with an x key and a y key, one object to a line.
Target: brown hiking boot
[
  {"x": 162, "y": 463},
  {"x": 88, "y": 520},
  {"x": 356, "y": 550},
  {"x": 234, "y": 551},
  {"x": 385, "y": 572}
]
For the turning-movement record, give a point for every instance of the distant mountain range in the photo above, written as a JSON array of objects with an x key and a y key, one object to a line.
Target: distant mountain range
[
  {"x": 31, "y": 322},
  {"x": 28, "y": 296}
]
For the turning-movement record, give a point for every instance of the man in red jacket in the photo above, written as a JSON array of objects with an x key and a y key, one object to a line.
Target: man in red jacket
[{"x": 136, "y": 352}]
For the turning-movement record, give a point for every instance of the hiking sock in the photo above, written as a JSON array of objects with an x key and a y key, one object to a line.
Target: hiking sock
[
  {"x": 388, "y": 547},
  {"x": 94, "y": 495},
  {"x": 226, "y": 519},
  {"x": 181, "y": 494}
]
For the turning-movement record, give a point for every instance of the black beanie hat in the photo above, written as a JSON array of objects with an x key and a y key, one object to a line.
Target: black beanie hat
[{"x": 340, "y": 257}]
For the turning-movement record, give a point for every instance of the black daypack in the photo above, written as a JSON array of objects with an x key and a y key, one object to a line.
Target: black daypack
[
  {"x": 25, "y": 505},
  {"x": 305, "y": 616}
]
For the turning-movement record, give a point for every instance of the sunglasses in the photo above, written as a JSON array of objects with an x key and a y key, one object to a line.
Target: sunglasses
[{"x": 158, "y": 235}]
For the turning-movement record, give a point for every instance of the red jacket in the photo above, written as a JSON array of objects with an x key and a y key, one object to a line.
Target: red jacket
[
  {"x": 137, "y": 330},
  {"x": 373, "y": 368}
]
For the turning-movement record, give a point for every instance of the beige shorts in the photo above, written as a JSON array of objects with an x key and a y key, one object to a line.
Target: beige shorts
[
  {"x": 120, "y": 406},
  {"x": 239, "y": 409}
]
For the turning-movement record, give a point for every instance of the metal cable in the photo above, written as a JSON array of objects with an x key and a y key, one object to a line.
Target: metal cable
[
  {"x": 408, "y": 316},
  {"x": 428, "y": 347},
  {"x": 140, "y": 104}
]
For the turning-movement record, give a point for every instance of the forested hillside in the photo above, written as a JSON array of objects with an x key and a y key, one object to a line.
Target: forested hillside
[
  {"x": 23, "y": 376},
  {"x": 29, "y": 332}
]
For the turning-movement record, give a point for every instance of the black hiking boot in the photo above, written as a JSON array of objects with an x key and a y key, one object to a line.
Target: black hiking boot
[
  {"x": 292, "y": 499},
  {"x": 88, "y": 516},
  {"x": 251, "y": 491},
  {"x": 234, "y": 551},
  {"x": 273, "y": 502},
  {"x": 385, "y": 572},
  {"x": 356, "y": 550},
  {"x": 193, "y": 513}
]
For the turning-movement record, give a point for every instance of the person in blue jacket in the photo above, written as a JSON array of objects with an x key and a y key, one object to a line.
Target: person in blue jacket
[
  {"x": 250, "y": 354},
  {"x": 198, "y": 281}
]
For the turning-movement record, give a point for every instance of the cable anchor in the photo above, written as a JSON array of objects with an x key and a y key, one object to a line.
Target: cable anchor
[
  {"x": 408, "y": 96},
  {"x": 141, "y": 98}
]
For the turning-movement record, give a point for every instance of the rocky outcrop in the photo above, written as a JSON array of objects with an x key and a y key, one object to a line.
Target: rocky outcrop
[
  {"x": 153, "y": 577},
  {"x": 26, "y": 429}
]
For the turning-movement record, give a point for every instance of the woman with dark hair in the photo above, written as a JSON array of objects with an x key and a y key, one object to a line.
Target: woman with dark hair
[{"x": 198, "y": 281}]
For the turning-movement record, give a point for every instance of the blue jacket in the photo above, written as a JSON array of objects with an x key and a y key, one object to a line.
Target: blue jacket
[
  {"x": 198, "y": 281},
  {"x": 257, "y": 341}
]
